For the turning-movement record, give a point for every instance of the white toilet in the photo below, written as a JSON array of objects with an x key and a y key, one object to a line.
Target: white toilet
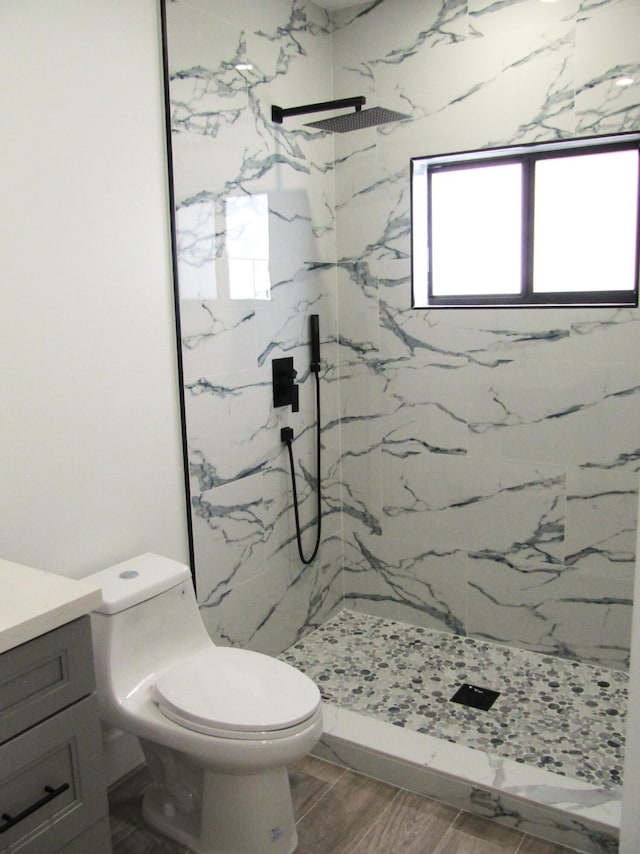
[{"x": 217, "y": 725}]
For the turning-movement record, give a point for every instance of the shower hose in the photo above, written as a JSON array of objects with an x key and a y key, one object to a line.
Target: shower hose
[{"x": 287, "y": 437}]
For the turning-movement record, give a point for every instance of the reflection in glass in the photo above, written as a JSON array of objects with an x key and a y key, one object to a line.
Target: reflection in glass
[
  {"x": 247, "y": 246},
  {"x": 196, "y": 244}
]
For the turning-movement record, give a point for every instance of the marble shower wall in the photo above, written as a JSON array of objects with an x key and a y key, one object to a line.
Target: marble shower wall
[
  {"x": 480, "y": 467},
  {"x": 256, "y": 245},
  {"x": 490, "y": 457}
]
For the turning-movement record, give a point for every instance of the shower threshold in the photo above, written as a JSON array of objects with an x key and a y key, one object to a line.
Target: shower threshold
[{"x": 546, "y": 757}]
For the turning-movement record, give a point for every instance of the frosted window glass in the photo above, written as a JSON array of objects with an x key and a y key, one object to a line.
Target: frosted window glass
[
  {"x": 476, "y": 216},
  {"x": 585, "y": 222}
]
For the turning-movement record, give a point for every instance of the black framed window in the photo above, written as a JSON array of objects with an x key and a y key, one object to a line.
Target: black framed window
[{"x": 532, "y": 225}]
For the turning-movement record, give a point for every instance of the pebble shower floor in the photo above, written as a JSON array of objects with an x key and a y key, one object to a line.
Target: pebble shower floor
[{"x": 561, "y": 715}]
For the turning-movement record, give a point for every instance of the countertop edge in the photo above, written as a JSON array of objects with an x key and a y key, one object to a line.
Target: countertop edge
[{"x": 36, "y": 602}]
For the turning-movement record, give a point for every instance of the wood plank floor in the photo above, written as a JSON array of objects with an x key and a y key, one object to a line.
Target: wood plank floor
[{"x": 340, "y": 812}]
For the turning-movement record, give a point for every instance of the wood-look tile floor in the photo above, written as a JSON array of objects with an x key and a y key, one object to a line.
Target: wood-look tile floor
[{"x": 340, "y": 812}]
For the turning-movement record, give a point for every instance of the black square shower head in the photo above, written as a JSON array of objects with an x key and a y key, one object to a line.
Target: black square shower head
[
  {"x": 357, "y": 120},
  {"x": 347, "y": 121}
]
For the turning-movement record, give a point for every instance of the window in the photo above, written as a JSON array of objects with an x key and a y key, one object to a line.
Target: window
[{"x": 534, "y": 225}]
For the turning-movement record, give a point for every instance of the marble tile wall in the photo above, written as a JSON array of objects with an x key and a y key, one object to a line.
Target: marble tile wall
[
  {"x": 480, "y": 467},
  {"x": 491, "y": 478},
  {"x": 255, "y": 223}
]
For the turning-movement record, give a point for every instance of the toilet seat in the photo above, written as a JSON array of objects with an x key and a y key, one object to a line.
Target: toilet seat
[{"x": 236, "y": 693}]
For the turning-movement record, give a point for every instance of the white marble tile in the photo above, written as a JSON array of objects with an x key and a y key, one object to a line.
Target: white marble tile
[
  {"x": 606, "y": 49},
  {"x": 427, "y": 589},
  {"x": 276, "y": 608},
  {"x": 380, "y": 224},
  {"x": 297, "y": 290},
  {"x": 232, "y": 524},
  {"x": 577, "y": 413},
  {"x": 218, "y": 339},
  {"x": 513, "y": 509},
  {"x": 234, "y": 413},
  {"x": 613, "y": 334},
  {"x": 199, "y": 40},
  {"x": 358, "y": 289},
  {"x": 601, "y": 518},
  {"x": 244, "y": 13},
  {"x": 571, "y": 611},
  {"x": 361, "y": 474},
  {"x": 486, "y": 18},
  {"x": 377, "y": 31},
  {"x": 521, "y": 88}
]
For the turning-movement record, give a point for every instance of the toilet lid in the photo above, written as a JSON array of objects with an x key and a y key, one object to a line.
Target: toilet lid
[{"x": 235, "y": 693}]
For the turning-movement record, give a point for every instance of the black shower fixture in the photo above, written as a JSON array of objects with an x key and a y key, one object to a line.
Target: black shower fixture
[
  {"x": 340, "y": 124},
  {"x": 286, "y": 436},
  {"x": 285, "y": 390}
]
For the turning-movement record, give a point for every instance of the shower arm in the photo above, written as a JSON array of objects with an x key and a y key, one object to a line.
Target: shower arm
[{"x": 278, "y": 113}]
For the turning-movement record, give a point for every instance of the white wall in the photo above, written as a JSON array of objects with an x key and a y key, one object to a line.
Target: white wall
[{"x": 90, "y": 459}]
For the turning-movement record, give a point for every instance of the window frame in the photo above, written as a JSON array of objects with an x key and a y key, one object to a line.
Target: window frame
[{"x": 527, "y": 155}]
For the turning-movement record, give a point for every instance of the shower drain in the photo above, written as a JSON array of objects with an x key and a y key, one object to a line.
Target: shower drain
[{"x": 476, "y": 697}]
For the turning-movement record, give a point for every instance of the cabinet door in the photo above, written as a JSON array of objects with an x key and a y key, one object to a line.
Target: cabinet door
[
  {"x": 40, "y": 677},
  {"x": 52, "y": 785}
]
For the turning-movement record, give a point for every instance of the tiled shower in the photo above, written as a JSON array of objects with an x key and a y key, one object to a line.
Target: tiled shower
[{"x": 479, "y": 466}]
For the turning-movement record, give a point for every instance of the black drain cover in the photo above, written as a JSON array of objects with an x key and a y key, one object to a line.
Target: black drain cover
[{"x": 477, "y": 698}]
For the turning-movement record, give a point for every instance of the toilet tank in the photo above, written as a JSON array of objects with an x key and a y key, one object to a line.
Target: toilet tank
[
  {"x": 149, "y": 619},
  {"x": 135, "y": 580}
]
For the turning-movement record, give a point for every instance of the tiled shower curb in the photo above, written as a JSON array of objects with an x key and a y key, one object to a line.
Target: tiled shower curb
[{"x": 557, "y": 808}]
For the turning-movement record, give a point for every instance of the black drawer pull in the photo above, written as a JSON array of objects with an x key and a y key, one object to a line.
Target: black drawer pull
[{"x": 10, "y": 821}]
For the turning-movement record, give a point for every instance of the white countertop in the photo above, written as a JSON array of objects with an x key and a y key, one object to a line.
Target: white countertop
[{"x": 33, "y": 602}]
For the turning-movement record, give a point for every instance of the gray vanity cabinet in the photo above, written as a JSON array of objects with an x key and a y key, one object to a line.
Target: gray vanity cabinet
[{"x": 52, "y": 779}]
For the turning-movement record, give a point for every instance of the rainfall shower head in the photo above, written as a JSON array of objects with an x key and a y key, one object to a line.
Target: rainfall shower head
[
  {"x": 347, "y": 121},
  {"x": 360, "y": 119}
]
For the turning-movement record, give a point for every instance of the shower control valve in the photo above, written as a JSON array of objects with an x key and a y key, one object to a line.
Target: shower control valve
[{"x": 285, "y": 391}]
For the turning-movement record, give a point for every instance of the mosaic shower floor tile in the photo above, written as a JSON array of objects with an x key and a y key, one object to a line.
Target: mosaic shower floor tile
[{"x": 561, "y": 715}]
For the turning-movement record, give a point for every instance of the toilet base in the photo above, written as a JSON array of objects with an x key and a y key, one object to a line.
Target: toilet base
[{"x": 240, "y": 814}]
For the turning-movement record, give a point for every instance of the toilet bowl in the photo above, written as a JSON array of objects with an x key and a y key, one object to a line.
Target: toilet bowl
[{"x": 217, "y": 725}]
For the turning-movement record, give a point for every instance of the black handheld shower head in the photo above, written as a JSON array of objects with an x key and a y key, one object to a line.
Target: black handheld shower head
[{"x": 314, "y": 330}]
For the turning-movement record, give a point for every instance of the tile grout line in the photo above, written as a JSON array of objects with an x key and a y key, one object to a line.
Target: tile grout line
[
  {"x": 437, "y": 849},
  {"x": 330, "y": 785},
  {"x": 471, "y": 836},
  {"x": 378, "y": 819}
]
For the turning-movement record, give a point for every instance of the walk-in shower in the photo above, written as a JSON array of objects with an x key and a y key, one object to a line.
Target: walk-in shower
[
  {"x": 478, "y": 477},
  {"x": 542, "y": 751}
]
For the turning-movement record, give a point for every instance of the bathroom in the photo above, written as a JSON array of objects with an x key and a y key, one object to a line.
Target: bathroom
[{"x": 94, "y": 425}]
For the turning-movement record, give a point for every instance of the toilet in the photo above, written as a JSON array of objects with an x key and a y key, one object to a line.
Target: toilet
[{"x": 217, "y": 725}]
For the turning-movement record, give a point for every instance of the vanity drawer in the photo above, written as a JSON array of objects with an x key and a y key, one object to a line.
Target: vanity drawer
[
  {"x": 40, "y": 677},
  {"x": 51, "y": 786}
]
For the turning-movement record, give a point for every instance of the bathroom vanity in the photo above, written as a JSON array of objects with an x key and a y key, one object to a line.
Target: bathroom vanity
[{"x": 52, "y": 782}]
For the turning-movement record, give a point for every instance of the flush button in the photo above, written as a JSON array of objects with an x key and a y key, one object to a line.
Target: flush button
[{"x": 129, "y": 573}]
